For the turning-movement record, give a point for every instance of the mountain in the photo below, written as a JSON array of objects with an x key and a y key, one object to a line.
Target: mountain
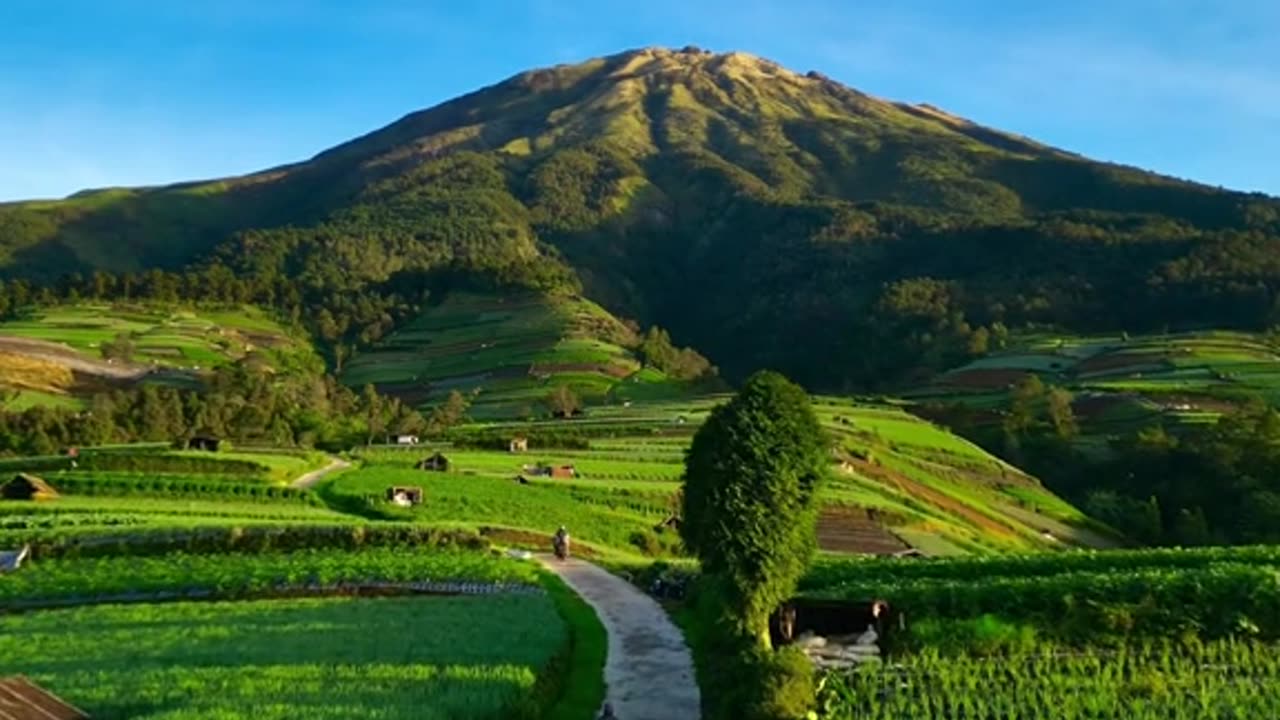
[{"x": 765, "y": 217}]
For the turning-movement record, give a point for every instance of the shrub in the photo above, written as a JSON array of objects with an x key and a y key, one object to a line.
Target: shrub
[
  {"x": 748, "y": 498},
  {"x": 646, "y": 542},
  {"x": 984, "y": 635}
]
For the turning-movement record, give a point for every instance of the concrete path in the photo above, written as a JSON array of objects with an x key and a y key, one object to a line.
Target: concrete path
[
  {"x": 309, "y": 480},
  {"x": 649, "y": 672}
]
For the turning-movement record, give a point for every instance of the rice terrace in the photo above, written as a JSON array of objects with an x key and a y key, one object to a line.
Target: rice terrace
[{"x": 670, "y": 384}]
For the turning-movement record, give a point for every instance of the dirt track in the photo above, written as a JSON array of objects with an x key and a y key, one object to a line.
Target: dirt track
[{"x": 310, "y": 479}]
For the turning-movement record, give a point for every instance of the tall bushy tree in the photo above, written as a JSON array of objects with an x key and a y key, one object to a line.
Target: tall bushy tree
[{"x": 749, "y": 511}]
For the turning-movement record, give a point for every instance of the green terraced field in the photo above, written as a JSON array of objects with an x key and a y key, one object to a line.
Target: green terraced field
[
  {"x": 1122, "y": 384},
  {"x": 182, "y": 339},
  {"x": 508, "y": 353},
  {"x": 923, "y": 485}
]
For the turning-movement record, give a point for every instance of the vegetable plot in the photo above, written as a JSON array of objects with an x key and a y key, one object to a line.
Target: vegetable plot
[
  {"x": 1222, "y": 680},
  {"x": 393, "y": 658}
]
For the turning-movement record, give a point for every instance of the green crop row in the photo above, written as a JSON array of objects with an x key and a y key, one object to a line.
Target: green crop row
[
  {"x": 1216, "y": 600},
  {"x": 251, "y": 538},
  {"x": 831, "y": 574},
  {"x": 1221, "y": 680},
  {"x": 143, "y": 461},
  {"x": 177, "y": 487},
  {"x": 241, "y": 575}
]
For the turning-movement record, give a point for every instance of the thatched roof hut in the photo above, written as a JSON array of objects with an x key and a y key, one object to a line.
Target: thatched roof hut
[{"x": 27, "y": 487}]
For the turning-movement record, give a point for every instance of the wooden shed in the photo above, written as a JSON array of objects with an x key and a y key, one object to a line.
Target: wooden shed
[
  {"x": 27, "y": 487},
  {"x": 405, "y": 496},
  {"x": 21, "y": 699},
  {"x": 436, "y": 463},
  {"x": 519, "y": 445},
  {"x": 204, "y": 442},
  {"x": 563, "y": 471}
]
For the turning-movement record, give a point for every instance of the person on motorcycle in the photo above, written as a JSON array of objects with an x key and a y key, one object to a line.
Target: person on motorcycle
[{"x": 561, "y": 542}]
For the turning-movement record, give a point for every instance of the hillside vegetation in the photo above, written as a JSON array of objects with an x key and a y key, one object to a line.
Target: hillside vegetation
[
  {"x": 1170, "y": 438},
  {"x": 63, "y": 354},
  {"x": 508, "y": 353},
  {"x": 765, "y": 217}
]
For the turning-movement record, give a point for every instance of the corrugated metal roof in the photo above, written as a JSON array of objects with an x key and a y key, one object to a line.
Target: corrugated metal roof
[{"x": 20, "y": 699}]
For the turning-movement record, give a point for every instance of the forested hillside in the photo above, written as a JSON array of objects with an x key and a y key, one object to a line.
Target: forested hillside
[{"x": 764, "y": 217}]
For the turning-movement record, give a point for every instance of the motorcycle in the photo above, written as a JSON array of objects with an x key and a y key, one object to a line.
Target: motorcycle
[{"x": 561, "y": 547}]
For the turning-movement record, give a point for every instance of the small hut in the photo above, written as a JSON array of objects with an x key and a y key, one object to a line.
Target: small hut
[
  {"x": 671, "y": 523},
  {"x": 405, "y": 496},
  {"x": 519, "y": 445},
  {"x": 27, "y": 487},
  {"x": 208, "y": 443},
  {"x": 563, "y": 471},
  {"x": 436, "y": 463},
  {"x": 20, "y": 698}
]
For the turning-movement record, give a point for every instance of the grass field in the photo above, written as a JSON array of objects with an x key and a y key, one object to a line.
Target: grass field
[
  {"x": 507, "y": 353},
  {"x": 437, "y": 657}
]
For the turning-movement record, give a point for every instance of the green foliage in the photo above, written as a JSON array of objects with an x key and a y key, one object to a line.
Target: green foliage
[
  {"x": 738, "y": 677},
  {"x": 748, "y": 510},
  {"x": 242, "y": 402},
  {"x": 684, "y": 363},
  {"x": 1215, "y": 486},
  {"x": 563, "y": 401},
  {"x": 984, "y": 635},
  {"x": 122, "y": 349},
  {"x": 751, "y": 481}
]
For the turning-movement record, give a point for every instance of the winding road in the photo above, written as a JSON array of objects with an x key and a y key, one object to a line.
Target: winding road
[{"x": 649, "y": 672}]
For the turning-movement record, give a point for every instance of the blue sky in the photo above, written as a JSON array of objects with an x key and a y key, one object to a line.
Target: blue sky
[{"x": 129, "y": 92}]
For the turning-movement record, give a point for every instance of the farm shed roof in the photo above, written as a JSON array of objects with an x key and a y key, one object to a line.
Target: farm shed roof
[
  {"x": 26, "y": 486},
  {"x": 21, "y": 699}
]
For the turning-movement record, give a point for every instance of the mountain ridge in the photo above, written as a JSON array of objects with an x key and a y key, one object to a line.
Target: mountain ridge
[{"x": 768, "y": 218}]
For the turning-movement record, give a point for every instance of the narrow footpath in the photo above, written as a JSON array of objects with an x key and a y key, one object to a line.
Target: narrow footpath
[
  {"x": 309, "y": 480},
  {"x": 649, "y": 672}
]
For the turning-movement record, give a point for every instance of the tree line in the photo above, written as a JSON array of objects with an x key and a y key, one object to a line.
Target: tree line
[{"x": 242, "y": 403}]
